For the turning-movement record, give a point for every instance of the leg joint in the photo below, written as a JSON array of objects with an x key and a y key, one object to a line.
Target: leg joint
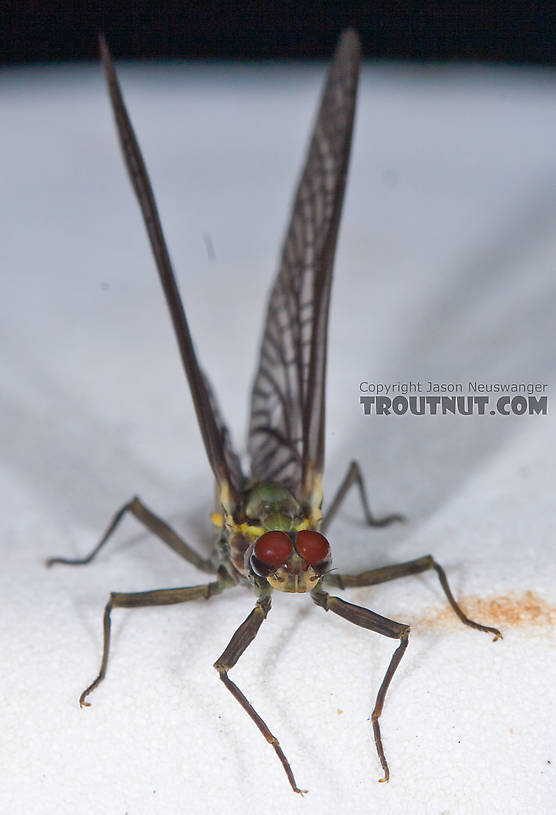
[
  {"x": 264, "y": 605},
  {"x": 321, "y": 599}
]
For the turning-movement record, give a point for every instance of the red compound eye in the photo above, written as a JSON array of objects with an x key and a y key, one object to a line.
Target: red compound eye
[
  {"x": 273, "y": 548},
  {"x": 312, "y": 546}
]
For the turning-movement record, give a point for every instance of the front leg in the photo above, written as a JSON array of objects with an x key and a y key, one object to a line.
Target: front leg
[
  {"x": 243, "y": 637},
  {"x": 353, "y": 476},
  {"x": 381, "y": 625}
]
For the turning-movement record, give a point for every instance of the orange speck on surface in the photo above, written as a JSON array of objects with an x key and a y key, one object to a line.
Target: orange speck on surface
[{"x": 511, "y": 610}]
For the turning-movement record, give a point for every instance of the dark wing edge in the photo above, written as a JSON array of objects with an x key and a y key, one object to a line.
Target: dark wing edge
[
  {"x": 286, "y": 431},
  {"x": 223, "y": 460}
]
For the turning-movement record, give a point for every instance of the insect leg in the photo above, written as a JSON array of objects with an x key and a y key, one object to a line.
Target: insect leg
[
  {"x": 153, "y": 523},
  {"x": 374, "y": 576},
  {"x": 140, "y": 599},
  {"x": 243, "y": 637},
  {"x": 381, "y": 625},
  {"x": 353, "y": 476}
]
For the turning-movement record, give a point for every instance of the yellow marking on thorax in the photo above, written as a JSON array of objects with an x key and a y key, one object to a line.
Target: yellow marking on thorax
[
  {"x": 310, "y": 523},
  {"x": 316, "y": 495},
  {"x": 217, "y": 519},
  {"x": 225, "y": 496},
  {"x": 251, "y": 531},
  {"x": 245, "y": 529}
]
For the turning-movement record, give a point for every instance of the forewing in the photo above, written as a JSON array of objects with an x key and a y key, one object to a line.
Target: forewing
[
  {"x": 224, "y": 462},
  {"x": 286, "y": 431}
]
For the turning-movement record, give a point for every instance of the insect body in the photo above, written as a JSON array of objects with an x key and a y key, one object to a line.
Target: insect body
[{"x": 271, "y": 528}]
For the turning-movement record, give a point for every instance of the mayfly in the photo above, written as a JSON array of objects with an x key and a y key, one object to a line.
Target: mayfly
[{"x": 270, "y": 524}]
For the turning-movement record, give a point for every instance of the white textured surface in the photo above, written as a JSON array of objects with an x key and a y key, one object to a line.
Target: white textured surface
[{"x": 446, "y": 270}]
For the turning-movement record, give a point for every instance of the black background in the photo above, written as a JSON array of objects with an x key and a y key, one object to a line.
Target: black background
[{"x": 487, "y": 31}]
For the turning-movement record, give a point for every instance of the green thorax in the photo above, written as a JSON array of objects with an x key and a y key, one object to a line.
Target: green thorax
[{"x": 272, "y": 506}]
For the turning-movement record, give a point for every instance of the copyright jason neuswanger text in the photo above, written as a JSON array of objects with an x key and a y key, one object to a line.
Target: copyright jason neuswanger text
[{"x": 431, "y": 398}]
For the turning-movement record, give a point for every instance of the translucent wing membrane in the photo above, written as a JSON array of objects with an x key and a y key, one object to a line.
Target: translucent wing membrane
[
  {"x": 223, "y": 460},
  {"x": 234, "y": 474},
  {"x": 286, "y": 432}
]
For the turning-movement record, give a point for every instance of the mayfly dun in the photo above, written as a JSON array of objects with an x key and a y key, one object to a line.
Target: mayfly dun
[{"x": 271, "y": 530}]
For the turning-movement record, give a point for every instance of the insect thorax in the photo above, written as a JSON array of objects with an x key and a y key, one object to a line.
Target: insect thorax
[{"x": 265, "y": 506}]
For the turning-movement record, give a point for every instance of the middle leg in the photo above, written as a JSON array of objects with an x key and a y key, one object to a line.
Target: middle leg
[
  {"x": 386, "y": 573},
  {"x": 140, "y": 599}
]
